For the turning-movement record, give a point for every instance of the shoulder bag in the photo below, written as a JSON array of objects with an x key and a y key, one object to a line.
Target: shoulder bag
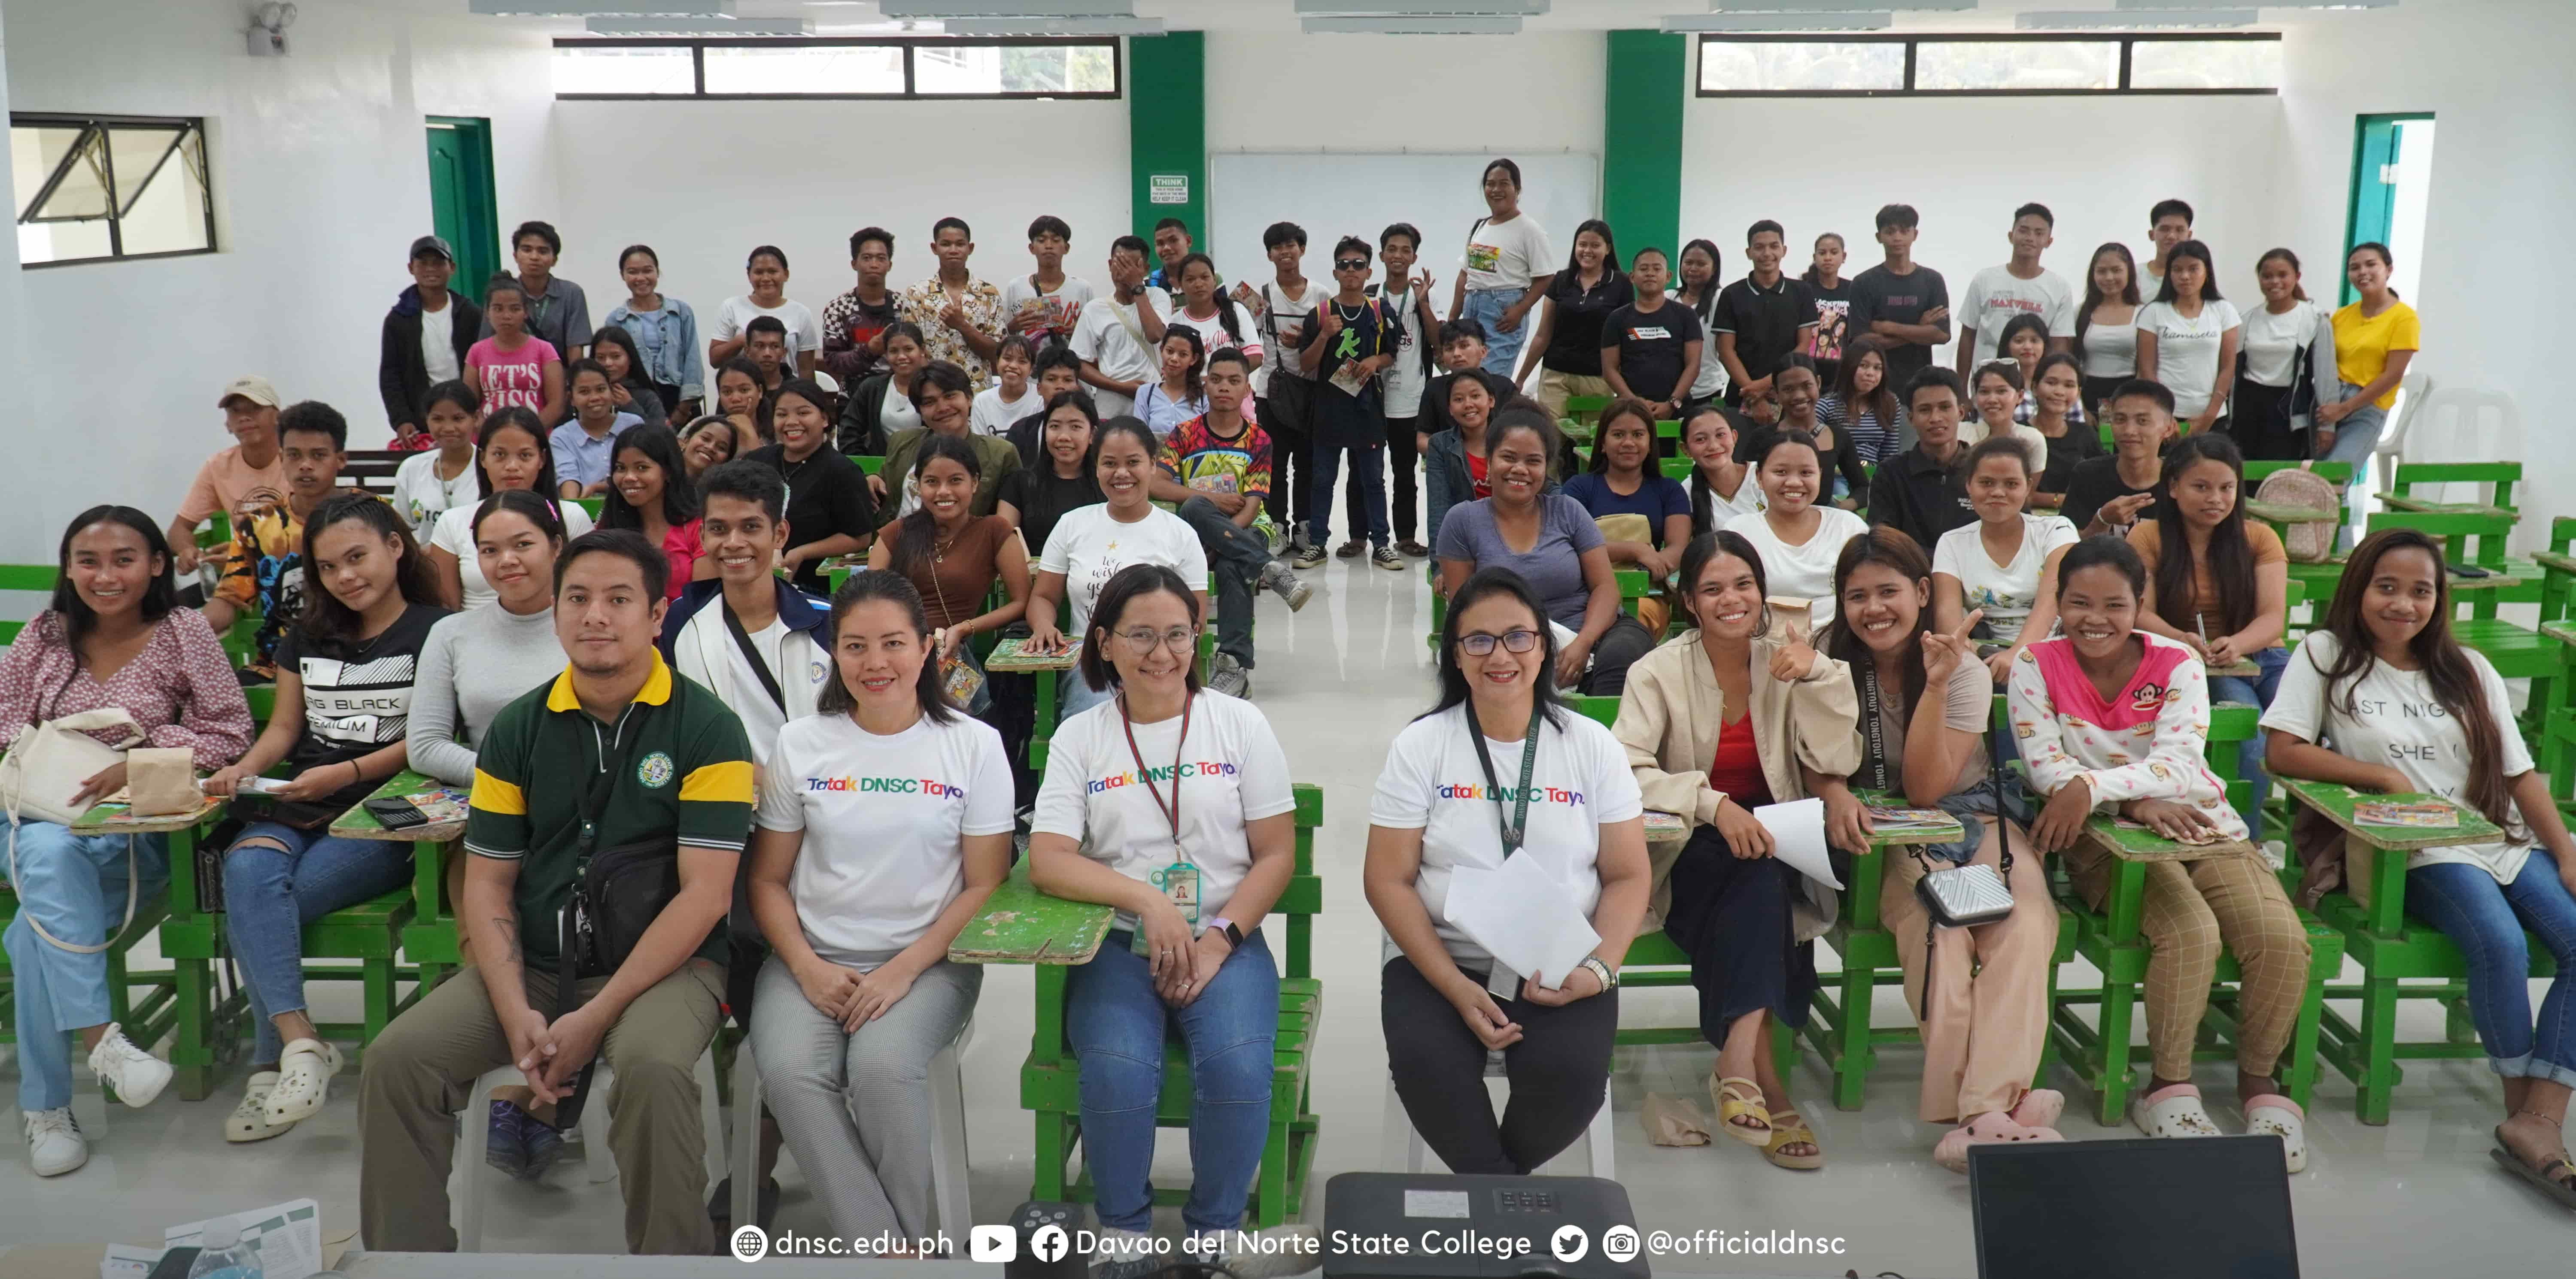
[{"x": 43, "y": 770}]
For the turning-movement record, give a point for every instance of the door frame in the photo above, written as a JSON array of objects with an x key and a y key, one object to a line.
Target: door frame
[
  {"x": 480, "y": 248},
  {"x": 2372, "y": 135}
]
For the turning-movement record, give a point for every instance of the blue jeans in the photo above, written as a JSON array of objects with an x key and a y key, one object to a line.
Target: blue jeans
[
  {"x": 277, "y": 879},
  {"x": 2486, "y": 920},
  {"x": 1368, "y": 474},
  {"x": 1117, "y": 1025},
  {"x": 2256, "y": 692},
  {"x": 1237, "y": 556},
  {"x": 75, "y": 886},
  {"x": 1486, "y": 307},
  {"x": 2356, "y": 435},
  {"x": 1079, "y": 695}
]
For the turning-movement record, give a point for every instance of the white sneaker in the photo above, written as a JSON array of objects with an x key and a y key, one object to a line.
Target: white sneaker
[
  {"x": 1115, "y": 1245},
  {"x": 136, "y": 1075},
  {"x": 249, "y": 1120},
  {"x": 304, "y": 1080},
  {"x": 1263, "y": 1254},
  {"x": 1227, "y": 676},
  {"x": 1277, "y": 576},
  {"x": 54, "y": 1143}
]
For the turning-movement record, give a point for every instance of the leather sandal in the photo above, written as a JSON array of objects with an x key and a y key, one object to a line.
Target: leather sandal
[
  {"x": 1740, "y": 1098},
  {"x": 1789, "y": 1129}
]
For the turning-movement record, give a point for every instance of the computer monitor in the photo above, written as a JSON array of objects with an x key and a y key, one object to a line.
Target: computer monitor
[{"x": 2208, "y": 1207}]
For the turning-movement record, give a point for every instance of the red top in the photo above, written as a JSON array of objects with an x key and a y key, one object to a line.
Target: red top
[
  {"x": 1476, "y": 476},
  {"x": 1737, "y": 771}
]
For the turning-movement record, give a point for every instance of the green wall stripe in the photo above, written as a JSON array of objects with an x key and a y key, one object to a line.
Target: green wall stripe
[
  {"x": 1167, "y": 127},
  {"x": 1641, "y": 139}
]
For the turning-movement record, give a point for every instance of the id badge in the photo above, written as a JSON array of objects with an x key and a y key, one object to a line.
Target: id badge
[{"x": 1180, "y": 884}]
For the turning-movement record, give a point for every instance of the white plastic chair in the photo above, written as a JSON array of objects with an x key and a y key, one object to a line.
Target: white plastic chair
[
  {"x": 1405, "y": 1148},
  {"x": 949, "y": 1197},
  {"x": 477, "y": 1123}
]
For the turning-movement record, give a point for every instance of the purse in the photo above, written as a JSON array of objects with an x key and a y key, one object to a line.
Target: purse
[
  {"x": 42, "y": 771},
  {"x": 959, "y": 672},
  {"x": 1966, "y": 896},
  {"x": 2307, "y": 541}
]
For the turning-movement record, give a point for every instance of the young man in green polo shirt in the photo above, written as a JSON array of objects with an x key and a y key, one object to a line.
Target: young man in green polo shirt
[{"x": 657, "y": 758}]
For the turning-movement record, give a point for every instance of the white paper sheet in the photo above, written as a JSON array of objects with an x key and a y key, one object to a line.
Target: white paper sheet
[
  {"x": 288, "y": 1236},
  {"x": 1523, "y": 917},
  {"x": 1798, "y": 837}
]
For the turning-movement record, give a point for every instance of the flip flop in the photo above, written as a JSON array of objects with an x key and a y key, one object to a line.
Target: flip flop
[
  {"x": 2173, "y": 1112},
  {"x": 2278, "y": 1116},
  {"x": 2556, "y": 1179},
  {"x": 1789, "y": 1129},
  {"x": 1739, "y": 1097}
]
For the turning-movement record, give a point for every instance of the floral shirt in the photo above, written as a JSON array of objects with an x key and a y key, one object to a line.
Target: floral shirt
[
  {"x": 180, "y": 689},
  {"x": 922, "y": 304},
  {"x": 2144, "y": 743}
]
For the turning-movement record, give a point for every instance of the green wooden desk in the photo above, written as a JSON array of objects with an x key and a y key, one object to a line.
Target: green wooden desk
[
  {"x": 2279, "y": 513},
  {"x": 1011, "y": 657},
  {"x": 1020, "y": 925},
  {"x": 429, "y": 939}
]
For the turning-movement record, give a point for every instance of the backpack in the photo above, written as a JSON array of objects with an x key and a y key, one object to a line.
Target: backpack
[{"x": 2307, "y": 541}]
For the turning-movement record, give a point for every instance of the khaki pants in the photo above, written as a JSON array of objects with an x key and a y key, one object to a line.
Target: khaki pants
[
  {"x": 2191, "y": 911},
  {"x": 418, "y": 1071},
  {"x": 1554, "y": 388},
  {"x": 1986, "y": 1019}
]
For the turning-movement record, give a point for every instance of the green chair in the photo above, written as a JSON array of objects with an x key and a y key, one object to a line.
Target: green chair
[
  {"x": 36, "y": 579},
  {"x": 1677, "y": 468},
  {"x": 1586, "y": 408},
  {"x": 1051, "y": 1079},
  {"x": 2499, "y": 477},
  {"x": 870, "y": 465}
]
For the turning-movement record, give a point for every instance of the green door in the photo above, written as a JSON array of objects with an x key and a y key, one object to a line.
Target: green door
[
  {"x": 462, "y": 208},
  {"x": 2378, "y": 141}
]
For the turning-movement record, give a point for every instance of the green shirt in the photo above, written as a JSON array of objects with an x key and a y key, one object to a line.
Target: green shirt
[{"x": 682, "y": 766}]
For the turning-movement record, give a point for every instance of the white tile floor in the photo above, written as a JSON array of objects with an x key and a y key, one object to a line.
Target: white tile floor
[{"x": 1336, "y": 681}]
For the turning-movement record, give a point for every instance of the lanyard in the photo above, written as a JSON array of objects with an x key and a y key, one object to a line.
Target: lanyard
[
  {"x": 1875, "y": 734},
  {"x": 1146, "y": 778},
  {"x": 1515, "y": 827}
]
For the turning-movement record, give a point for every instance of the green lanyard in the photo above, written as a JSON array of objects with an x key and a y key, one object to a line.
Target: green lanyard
[{"x": 1516, "y": 826}]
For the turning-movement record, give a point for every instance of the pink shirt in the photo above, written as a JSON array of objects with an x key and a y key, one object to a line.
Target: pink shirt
[
  {"x": 180, "y": 689},
  {"x": 512, "y": 379},
  {"x": 2143, "y": 743},
  {"x": 682, "y": 546}
]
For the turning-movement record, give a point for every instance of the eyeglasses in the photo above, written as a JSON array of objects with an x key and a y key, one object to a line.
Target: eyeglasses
[
  {"x": 1482, "y": 645},
  {"x": 1145, "y": 640},
  {"x": 1351, "y": 264}
]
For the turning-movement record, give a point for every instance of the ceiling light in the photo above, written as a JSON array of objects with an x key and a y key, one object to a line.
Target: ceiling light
[
  {"x": 1113, "y": 25},
  {"x": 601, "y": 8},
  {"x": 2133, "y": 19},
  {"x": 2272, "y": 4},
  {"x": 1421, "y": 8},
  {"x": 1416, "y": 25},
  {"x": 1681, "y": 23},
  {"x": 938, "y": 9},
  {"x": 688, "y": 26},
  {"x": 1837, "y": 6}
]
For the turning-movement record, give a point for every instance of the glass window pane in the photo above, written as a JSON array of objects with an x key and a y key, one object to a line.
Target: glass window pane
[
  {"x": 35, "y": 151},
  {"x": 138, "y": 156},
  {"x": 2017, "y": 64},
  {"x": 1770, "y": 66},
  {"x": 615, "y": 69},
  {"x": 2205, "y": 64},
  {"x": 168, "y": 213},
  {"x": 1018, "y": 68},
  {"x": 815, "y": 69},
  {"x": 965, "y": 68}
]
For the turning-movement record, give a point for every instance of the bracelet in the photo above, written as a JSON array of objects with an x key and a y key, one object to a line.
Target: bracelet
[
  {"x": 1609, "y": 979},
  {"x": 355, "y": 776}
]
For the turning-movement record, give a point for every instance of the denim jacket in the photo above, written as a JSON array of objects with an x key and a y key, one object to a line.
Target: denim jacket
[{"x": 669, "y": 340}]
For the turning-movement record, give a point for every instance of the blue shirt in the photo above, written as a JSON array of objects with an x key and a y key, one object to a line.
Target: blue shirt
[
  {"x": 581, "y": 459},
  {"x": 669, "y": 340},
  {"x": 1657, "y": 498}
]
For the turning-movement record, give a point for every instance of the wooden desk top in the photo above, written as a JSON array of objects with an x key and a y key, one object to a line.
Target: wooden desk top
[
  {"x": 1011, "y": 655},
  {"x": 2337, "y": 802},
  {"x": 112, "y": 819},
  {"x": 1020, "y": 925},
  {"x": 2138, "y": 845},
  {"x": 358, "y": 823}
]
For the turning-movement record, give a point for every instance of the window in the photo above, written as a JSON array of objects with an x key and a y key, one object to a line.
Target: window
[
  {"x": 97, "y": 188},
  {"x": 837, "y": 68},
  {"x": 1868, "y": 65}
]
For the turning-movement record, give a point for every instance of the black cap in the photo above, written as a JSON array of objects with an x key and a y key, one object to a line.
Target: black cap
[{"x": 432, "y": 244}]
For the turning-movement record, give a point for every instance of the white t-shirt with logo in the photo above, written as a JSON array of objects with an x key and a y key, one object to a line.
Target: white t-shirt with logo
[
  {"x": 883, "y": 819},
  {"x": 2005, "y": 591},
  {"x": 1508, "y": 255},
  {"x": 2187, "y": 351},
  {"x": 1063, "y": 307},
  {"x": 1404, "y": 381},
  {"x": 1434, "y": 783},
  {"x": 1110, "y": 336},
  {"x": 803, "y": 333},
  {"x": 1995, "y": 295},
  {"x": 1232, "y": 773},
  {"x": 420, "y": 497},
  {"x": 2395, "y": 721},
  {"x": 1088, "y": 546}
]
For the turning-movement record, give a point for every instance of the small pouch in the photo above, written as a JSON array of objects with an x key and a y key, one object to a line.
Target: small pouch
[
  {"x": 162, "y": 781},
  {"x": 1964, "y": 896}
]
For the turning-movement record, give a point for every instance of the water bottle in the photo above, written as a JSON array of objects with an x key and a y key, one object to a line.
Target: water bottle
[{"x": 223, "y": 1255}]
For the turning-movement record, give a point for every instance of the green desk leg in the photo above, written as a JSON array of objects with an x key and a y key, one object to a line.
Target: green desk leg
[
  {"x": 192, "y": 1047},
  {"x": 1042, "y": 731},
  {"x": 1055, "y": 1129},
  {"x": 2120, "y": 990}
]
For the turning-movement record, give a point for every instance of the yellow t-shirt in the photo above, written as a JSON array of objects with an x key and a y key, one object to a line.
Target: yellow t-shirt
[{"x": 2362, "y": 344}]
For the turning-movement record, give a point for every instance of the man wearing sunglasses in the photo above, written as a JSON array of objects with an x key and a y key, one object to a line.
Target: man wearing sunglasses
[{"x": 1351, "y": 342}]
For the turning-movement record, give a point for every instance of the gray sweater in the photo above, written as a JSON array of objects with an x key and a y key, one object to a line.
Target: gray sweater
[{"x": 475, "y": 663}]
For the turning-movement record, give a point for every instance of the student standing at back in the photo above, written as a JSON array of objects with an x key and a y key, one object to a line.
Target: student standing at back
[
  {"x": 1351, "y": 342},
  {"x": 1045, "y": 305},
  {"x": 1285, "y": 309},
  {"x": 1651, "y": 348},
  {"x": 1696, "y": 271},
  {"x": 1408, "y": 305},
  {"x": 556, "y": 312},
  {"x": 961, "y": 315},
  {"x": 1216, "y": 468},
  {"x": 2168, "y": 224},
  {"x": 236, "y": 478},
  {"x": 2106, "y": 328},
  {"x": 1900, "y": 300},
  {"x": 1500, "y": 279},
  {"x": 2019, "y": 287},
  {"x": 1119, "y": 334},
  {"x": 1567, "y": 346},
  {"x": 1172, "y": 248},
  {"x": 2375, "y": 339},
  {"x": 2289, "y": 350},
  {"x": 2187, "y": 338},
  {"x": 1763, "y": 318},
  {"x": 665, "y": 331},
  {"x": 513, "y": 368},
  {"x": 1832, "y": 290},
  {"x": 426, "y": 337},
  {"x": 854, "y": 324},
  {"x": 766, "y": 269}
]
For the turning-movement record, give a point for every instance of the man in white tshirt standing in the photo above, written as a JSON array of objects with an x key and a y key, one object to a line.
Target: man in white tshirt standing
[
  {"x": 1408, "y": 301},
  {"x": 1119, "y": 334},
  {"x": 2019, "y": 287},
  {"x": 1283, "y": 308},
  {"x": 1045, "y": 305}
]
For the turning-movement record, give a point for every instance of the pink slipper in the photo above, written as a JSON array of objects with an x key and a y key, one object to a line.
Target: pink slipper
[
  {"x": 2039, "y": 1108},
  {"x": 1992, "y": 1128}
]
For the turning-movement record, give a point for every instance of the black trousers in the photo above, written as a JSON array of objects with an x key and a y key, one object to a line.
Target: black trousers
[
  {"x": 2261, "y": 424},
  {"x": 1404, "y": 511},
  {"x": 1286, "y": 415},
  {"x": 1732, "y": 915},
  {"x": 1616, "y": 651},
  {"x": 1559, "y": 1072}
]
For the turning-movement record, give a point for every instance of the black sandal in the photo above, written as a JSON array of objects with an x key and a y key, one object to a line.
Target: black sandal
[{"x": 2556, "y": 1177}]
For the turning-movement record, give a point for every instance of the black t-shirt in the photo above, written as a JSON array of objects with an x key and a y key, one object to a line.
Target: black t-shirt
[
  {"x": 1920, "y": 495},
  {"x": 1367, "y": 331},
  {"x": 1833, "y": 319},
  {"x": 2078, "y": 445},
  {"x": 1766, "y": 322},
  {"x": 1881, "y": 294},
  {"x": 1042, "y": 497},
  {"x": 826, "y": 494},
  {"x": 357, "y": 700},
  {"x": 1650, "y": 346},
  {"x": 1574, "y": 336},
  {"x": 2095, "y": 483}
]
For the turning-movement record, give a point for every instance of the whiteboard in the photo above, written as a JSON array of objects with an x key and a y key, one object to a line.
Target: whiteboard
[{"x": 1333, "y": 194}]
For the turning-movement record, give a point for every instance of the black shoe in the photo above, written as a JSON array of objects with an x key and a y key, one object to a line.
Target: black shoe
[
  {"x": 720, "y": 1205},
  {"x": 1350, "y": 550},
  {"x": 1412, "y": 548}
]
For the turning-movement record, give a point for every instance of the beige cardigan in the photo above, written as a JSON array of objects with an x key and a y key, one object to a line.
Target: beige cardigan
[{"x": 1669, "y": 719}]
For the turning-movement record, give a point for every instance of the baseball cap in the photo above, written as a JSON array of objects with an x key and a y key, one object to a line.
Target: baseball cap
[
  {"x": 432, "y": 244},
  {"x": 253, "y": 388}
]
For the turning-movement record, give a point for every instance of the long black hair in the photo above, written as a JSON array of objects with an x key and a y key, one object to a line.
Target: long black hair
[
  {"x": 161, "y": 596},
  {"x": 1702, "y": 498},
  {"x": 1125, "y": 586},
  {"x": 915, "y": 533},
  {"x": 526, "y": 505},
  {"x": 1225, "y": 312},
  {"x": 1626, "y": 406},
  {"x": 1479, "y": 586},
  {"x": 1881, "y": 402},
  {"x": 1708, "y": 546},
  {"x": 1706, "y": 307},
  {"x": 324, "y": 616},
  {"x": 616, "y": 335},
  {"x": 1609, "y": 256},
  {"x": 2093, "y": 294},
  {"x": 521, "y": 419},
  {"x": 661, "y": 447},
  {"x": 864, "y": 586},
  {"x": 1895, "y": 550},
  {"x": 1193, "y": 379},
  {"x": 2197, "y": 252},
  {"x": 2231, "y": 555}
]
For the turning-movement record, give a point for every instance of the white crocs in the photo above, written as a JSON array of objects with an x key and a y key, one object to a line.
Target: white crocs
[
  {"x": 2173, "y": 1112},
  {"x": 2275, "y": 1115},
  {"x": 304, "y": 1074},
  {"x": 249, "y": 1120}
]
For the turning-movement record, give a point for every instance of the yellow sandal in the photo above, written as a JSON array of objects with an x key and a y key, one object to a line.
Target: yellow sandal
[
  {"x": 1788, "y": 1128},
  {"x": 1740, "y": 1098}
]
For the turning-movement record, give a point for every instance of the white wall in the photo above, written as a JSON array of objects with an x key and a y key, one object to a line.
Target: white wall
[
  {"x": 320, "y": 181},
  {"x": 1966, "y": 163},
  {"x": 703, "y": 182}
]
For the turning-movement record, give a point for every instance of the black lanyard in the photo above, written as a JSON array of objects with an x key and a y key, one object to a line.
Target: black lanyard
[
  {"x": 1516, "y": 826},
  {"x": 1876, "y": 734},
  {"x": 1145, "y": 776}
]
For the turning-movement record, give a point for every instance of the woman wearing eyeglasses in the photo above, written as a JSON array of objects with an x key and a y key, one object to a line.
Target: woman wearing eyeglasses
[
  {"x": 1171, "y": 804},
  {"x": 1556, "y": 790}
]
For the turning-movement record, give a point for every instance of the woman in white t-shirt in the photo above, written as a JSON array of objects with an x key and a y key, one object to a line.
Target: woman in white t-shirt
[
  {"x": 1997, "y": 388},
  {"x": 1558, "y": 794},
  {"x": 2106, "y": 325},
  {"x": 2187, "y": 337},
  {"x": 884, "y": 823},
  {"x": 1721, "y": 488},
  {"x": 1172, "y": 804},
  {"x": 2382, "y": 698},
  {"x": 1797, "y": 539},
  {"x": 1504, "y": 272},
  {"x": 510, "y": 453},
  {"x": 436, "y": 480},
  {"x": 767, "y": 271},
  {"x": 2289, "y": 346},
  {"x": 1217, "y": 319},
  {"x": 1010, "y": 397},
  {"x": 1089, "y": 544},
  {"x": 2005, "y": 564}
]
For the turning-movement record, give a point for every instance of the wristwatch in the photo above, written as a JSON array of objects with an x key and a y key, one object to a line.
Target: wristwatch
[
  {"x": 1609, "y": 979},
  {"x": 1233, "y": 935}
]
